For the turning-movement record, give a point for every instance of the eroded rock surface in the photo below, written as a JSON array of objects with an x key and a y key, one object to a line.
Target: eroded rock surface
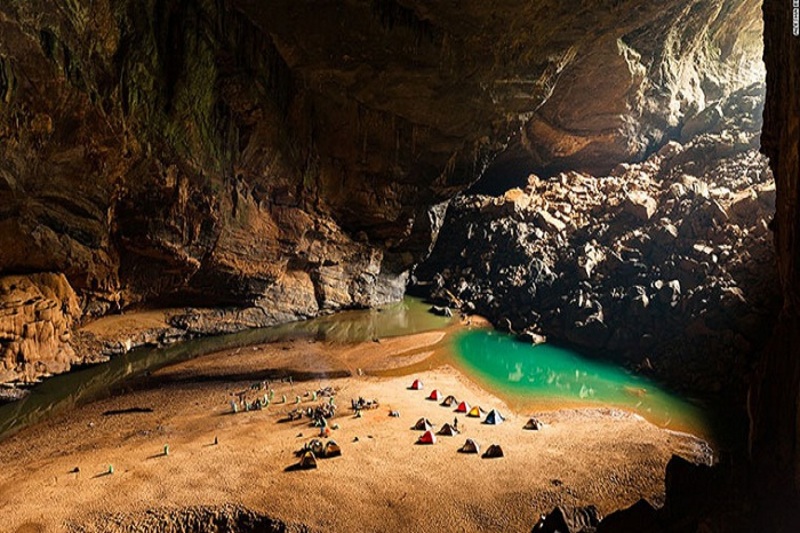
[
  {"x": 37, "y": 313},
  {"x": 294, "y": 158}
]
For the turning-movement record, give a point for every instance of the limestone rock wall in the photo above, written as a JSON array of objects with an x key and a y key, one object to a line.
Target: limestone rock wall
[
  {"x": 37, "y": 313},
  {"x": 294, "y": 158}
]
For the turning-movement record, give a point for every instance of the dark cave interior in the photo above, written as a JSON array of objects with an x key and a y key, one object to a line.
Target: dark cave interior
[{"x": 597, "y": 173}]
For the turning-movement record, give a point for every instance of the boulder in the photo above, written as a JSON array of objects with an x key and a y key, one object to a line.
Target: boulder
[
  {"x": 441, "y": 311},
  {"x": 671, "y": 149},
  {"x": 548, "y": 222},
  {"x": 668, "y": 292},
  {"x": 591, "y": 333},
  {"x": 640, "y": 205},
  {"x": 532, "y": 337},
  {"x": 684, "y": 481},
  {"x": 704, "y": 121},
  {"x": 639, "y": 517}
]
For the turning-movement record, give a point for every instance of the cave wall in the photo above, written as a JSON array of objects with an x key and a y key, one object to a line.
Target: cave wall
[
  {"x": 295, "y": 157},
  {"x": 165, "y": 151},
  {"x": 775, "y": 395}
]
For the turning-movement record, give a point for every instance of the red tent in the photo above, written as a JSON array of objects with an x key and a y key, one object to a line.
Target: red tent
[
  {"x": 463, "y": 407},
  {"x": 417, "y": 385},
  {"x": 435, "y": 395},
  {"x": 427, "y": 438}
]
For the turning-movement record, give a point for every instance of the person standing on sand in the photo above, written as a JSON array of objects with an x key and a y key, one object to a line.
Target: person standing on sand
[{"x": 455, "y": 423}]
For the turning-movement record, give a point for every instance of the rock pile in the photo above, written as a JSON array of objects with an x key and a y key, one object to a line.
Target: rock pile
[{"x": 659, "y": 264}]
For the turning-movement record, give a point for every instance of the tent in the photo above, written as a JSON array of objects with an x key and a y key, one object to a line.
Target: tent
[
  {"x": 493, "y": 451},
  {"x": 316, "y": 447},
  {"x": 417, "y": 385},
  {"x": 450, "y": 401},
  {"x": 307, "y": 461},
  {"x": 463, "y": 407},
  {"x": 435, "y": 395},
  {"x": 448, "y": 430},
  {"x": 475, "y": 412},
  {"x": 332, "y": 449},
  {"x": 533, "y": 424},
  {"x": 423, "y": 424},
  {"x": 470, "y": 446},
  {"x": 494, "y": 417},
  {"x": 427, "y": 438}
]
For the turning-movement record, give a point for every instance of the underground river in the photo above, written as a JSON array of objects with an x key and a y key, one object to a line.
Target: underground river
[{"x": 526, "y": 377}]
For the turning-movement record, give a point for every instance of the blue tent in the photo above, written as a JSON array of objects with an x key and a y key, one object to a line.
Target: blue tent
[{"x": 494, "y": 417}]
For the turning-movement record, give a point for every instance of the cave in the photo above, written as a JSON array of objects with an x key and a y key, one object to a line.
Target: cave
[{"x": 233, "y": 204}]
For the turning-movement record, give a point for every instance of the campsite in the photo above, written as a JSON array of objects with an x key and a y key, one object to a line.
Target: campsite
[{"x": 375, "y": 460}]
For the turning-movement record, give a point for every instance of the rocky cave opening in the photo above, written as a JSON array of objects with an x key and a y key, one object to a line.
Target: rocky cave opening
[
  {"x": 597, "y": 174},
  {"x": 662, "y": 260}
]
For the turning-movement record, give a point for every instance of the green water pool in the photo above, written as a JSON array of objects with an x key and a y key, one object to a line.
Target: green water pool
[
  {"x": 546, "y": 375},
  {"x": 525, "y": 376}
]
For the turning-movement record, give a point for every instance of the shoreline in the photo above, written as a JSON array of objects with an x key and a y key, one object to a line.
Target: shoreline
[
  {"x": 123, "y": 331},
  {"x": 605, "y": 457}
]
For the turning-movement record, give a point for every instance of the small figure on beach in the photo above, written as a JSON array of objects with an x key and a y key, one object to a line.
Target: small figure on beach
[{"x": 455, "y": 423}]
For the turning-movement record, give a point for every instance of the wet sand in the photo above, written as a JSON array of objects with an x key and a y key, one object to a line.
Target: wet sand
[{"x": 382, "y": 482}]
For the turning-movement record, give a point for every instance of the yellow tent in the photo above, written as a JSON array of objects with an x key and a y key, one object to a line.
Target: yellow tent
[{"x": 475, "y": 412}]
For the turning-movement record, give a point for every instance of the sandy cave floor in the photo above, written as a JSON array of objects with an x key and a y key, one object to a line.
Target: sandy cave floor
[{"x": 382, "y": 482}]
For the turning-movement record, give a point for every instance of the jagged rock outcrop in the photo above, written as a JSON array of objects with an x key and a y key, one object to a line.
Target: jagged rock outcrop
[
  {"x": 253, "y": 154},
  {"x": 759, "y": 492},
  {"x": 659, "y": 264},
  {"x": 775, "y": 392}
]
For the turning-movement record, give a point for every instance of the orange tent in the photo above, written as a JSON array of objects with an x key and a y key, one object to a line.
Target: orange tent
[
  {"x": 427, "y": 438},
  {"x": 463, "y": 407}
]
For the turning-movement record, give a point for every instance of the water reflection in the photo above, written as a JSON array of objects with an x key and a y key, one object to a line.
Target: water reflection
[{"x": 65, "y": 391}]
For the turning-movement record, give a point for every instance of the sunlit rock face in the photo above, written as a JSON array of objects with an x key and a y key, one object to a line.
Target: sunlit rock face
[
  {"x": 667, "y": 264},
  {"x": 294, "y": 157}
]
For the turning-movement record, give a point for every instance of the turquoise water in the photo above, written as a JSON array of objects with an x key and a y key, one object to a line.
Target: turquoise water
[
  {"x": 546, "y": 375},
  {"x": 525, "y": 376}
]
